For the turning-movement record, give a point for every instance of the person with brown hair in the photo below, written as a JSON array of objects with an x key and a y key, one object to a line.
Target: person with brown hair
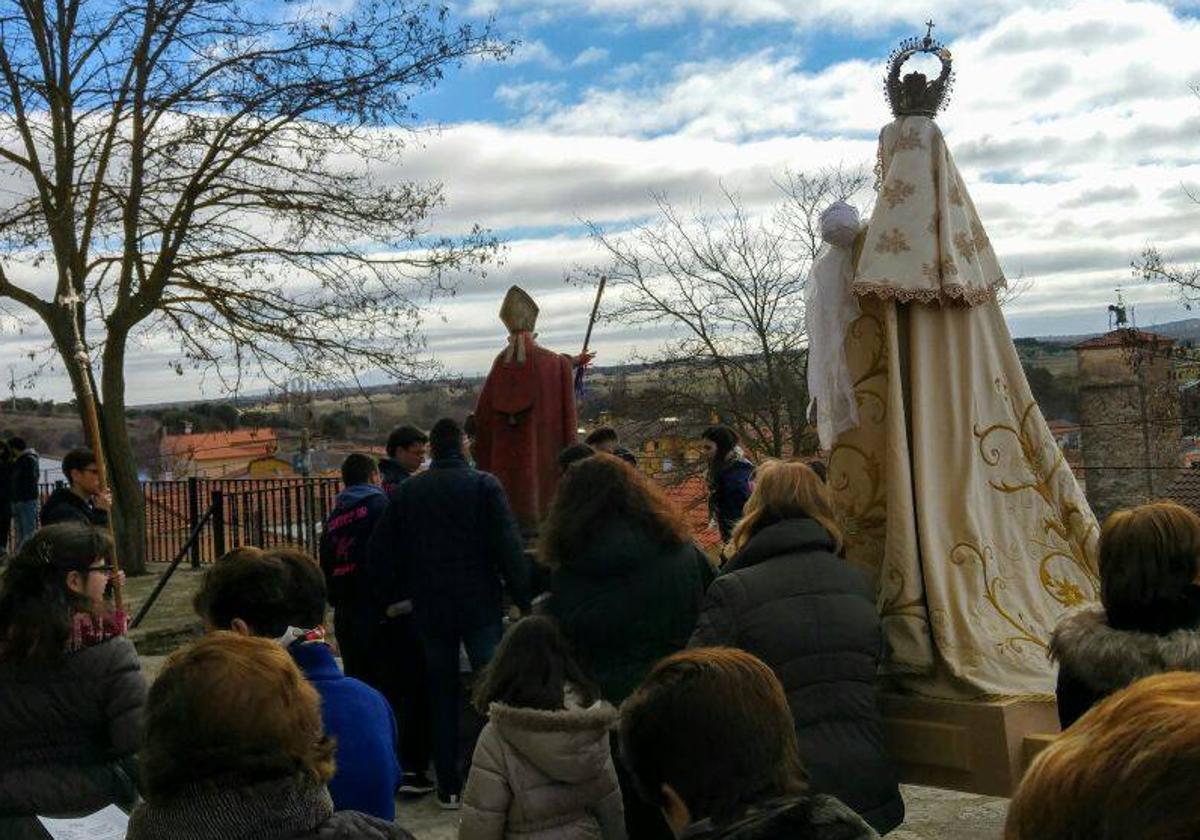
[
  {"x": 71, "y": 688},
  {"x": 1149, "y": 618},
  {"x": 787, "y": 596},
  {"x": 627, "y": 580},
  {"x": 542, "y": 767},
  {"x": 234, "y": 749},
  {"x": 708, "y": 738},
  {"x": 280, "y": 595},
  {"x": 1126, "y": 769},
  {"x": 626, "y": 584}
]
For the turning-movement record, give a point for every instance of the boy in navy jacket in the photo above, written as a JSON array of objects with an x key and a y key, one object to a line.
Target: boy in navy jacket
[{"x": 343, "y": 561}]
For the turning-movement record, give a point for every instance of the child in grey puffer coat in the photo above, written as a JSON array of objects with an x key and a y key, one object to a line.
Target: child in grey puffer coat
[{"x": 542, "y": 767}]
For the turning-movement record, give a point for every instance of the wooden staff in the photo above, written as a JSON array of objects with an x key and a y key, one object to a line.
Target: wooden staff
[
  {"x": 91, "y": 429},
  {"x": 587, "y": 338}
]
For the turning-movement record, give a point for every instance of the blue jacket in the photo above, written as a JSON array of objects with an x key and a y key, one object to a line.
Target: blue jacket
[
  {"x": 343, "y": 548},
  {"x": 729, "y": 496},
  {"x": 362, "y": 723},
  {"x": 446, "y": 540}
]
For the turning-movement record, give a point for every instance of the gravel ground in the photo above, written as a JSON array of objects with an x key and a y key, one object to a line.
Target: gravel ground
[{"x": 933, "y": 814}]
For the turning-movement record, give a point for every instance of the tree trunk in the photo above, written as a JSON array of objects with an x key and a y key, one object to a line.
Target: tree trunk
[
  {"x": 128, "y": 515},
  {"x": 129, "y": 523}
]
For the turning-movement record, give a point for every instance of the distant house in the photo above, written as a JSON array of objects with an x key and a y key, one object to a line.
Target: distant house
[
  {"x": 270, "y": 466},
  {"x": 215, "y": 454}
]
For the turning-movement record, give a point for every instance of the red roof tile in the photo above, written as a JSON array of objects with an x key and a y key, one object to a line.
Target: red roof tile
[
  {"x": 691, "y": 496},
  {"x": 218, "y": 446},
  {"x": 1186, "y": 489},
  {"x": 1123, "y": 338}
]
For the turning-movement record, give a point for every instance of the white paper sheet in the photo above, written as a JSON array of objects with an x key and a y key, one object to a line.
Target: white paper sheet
[{"x": 110, "y": 823}]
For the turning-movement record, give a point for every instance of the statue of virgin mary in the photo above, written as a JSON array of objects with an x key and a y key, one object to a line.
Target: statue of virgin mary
[{"x": 952, "y": 492}]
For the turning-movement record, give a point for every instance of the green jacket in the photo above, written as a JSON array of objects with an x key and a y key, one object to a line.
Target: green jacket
[{"x": 625, "y": 602}]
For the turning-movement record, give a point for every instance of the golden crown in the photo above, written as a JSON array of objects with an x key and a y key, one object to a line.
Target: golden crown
[{"x": 914, "y": 95}]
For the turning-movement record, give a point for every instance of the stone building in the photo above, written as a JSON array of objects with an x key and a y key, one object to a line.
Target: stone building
[{"x": 1130, "y": 418}]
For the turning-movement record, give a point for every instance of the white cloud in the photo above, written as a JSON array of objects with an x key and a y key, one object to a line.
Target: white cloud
[
  {"x": 591, "y": 55},
  {"x": 859, "y": 15},
  {"x": 1076, "y": 131},
  {"x": 534, "y": 52},
  {"x": 531, "y": 97}
]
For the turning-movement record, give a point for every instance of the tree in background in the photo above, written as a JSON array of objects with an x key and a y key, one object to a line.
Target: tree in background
[
  {"x": 209, "y": 171},
  {"x": 729, "y": 287}
]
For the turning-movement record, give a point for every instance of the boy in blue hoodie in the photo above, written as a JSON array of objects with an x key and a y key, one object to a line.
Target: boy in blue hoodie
[{"x": 280, "y": 594}]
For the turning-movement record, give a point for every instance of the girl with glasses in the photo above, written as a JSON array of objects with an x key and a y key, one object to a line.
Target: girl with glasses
[{"x": 71, "y": 689}]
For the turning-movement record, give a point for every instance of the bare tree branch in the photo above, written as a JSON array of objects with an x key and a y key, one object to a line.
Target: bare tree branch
[
  {"x": 728, "y": 288},
  {"x": 202, "y": 170}
]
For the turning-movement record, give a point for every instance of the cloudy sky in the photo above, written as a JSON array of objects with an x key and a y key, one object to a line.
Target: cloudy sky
[{"x": 1074, "y": 124}]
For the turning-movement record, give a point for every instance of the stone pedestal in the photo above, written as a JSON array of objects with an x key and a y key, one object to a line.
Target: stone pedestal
[{"x": 981, "y": 747}]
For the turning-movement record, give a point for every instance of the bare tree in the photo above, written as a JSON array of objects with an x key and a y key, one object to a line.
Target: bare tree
[
  {"x": 728, "y": 288},
  {"x": 206, "y": 170},
  {"x": 1156, "y": 267}
]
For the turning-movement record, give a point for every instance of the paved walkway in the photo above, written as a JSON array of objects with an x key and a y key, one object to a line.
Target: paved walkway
[{"x": 933, "y": 814}]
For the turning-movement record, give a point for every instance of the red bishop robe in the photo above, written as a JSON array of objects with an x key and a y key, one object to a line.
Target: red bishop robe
[{"x": 525, "y": 417}]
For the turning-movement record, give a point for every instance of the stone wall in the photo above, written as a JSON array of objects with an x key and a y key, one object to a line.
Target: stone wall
[{"x": 1129, "y": 411}]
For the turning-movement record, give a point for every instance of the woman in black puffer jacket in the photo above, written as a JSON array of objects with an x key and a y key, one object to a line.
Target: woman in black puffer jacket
[
  {"x": 787, "y": 598},
  {"x": 73, "y": 692}
]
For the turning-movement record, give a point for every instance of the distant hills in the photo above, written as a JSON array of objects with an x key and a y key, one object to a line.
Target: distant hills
[{"x": 1185, "y": 330}]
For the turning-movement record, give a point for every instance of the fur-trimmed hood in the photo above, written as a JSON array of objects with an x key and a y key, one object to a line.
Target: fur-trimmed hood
[
  {"x": 568, "y": 745},
  {"x": 1105, "y": 659}
]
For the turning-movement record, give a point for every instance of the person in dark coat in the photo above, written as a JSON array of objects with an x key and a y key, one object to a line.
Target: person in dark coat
[
  {"x": 709, "y": 740},
  {"x": 6, "y": 494},
  {"x": 626, "y": 584},
  {"x": 406, "y": 449},
  {"x": 787, "y": 597},
  {"x": 343, "y": 554},
  {"x": 234, "y": 749},
  {"x": 449, "y": 543},
  {"x": 71, "y": 689},
  {"x": 627, "y": 580},
  {"x": 26, "y": 472},
  {"x": 605, "y": 439},
  {"x": 380, "y": 649},
  {"x": 82, "y": 499},
  {"x": 1149, "y": 618},
  {"x": 729, "y": 478},
  {"x": 280, "y": 595}
]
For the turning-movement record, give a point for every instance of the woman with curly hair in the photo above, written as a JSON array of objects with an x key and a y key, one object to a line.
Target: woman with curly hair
[
  {"x": 789, "y": 599},
  {"x": 626, "y": 583},
  {"x": 235, "y": 750},
  {"x": 73, "y": 692}
]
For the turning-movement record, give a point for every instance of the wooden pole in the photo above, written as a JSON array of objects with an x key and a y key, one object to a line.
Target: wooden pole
[
  {"x": 580, "y": 371},
  {"x": 587, "y": 338},
  {"x": 91, "y": 429}
]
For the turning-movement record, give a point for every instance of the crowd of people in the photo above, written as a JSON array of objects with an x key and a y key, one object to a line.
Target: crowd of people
[
  {"x": 19, "y": 474},
  {"x": 610, "y": 680}
]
